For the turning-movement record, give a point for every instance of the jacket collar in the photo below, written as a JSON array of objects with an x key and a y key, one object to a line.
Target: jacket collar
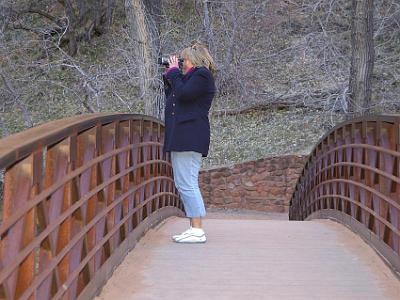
[{"x": 190, "y": 72}]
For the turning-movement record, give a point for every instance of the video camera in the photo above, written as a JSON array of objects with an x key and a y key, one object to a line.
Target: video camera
[{"x": 163, "y": 60}]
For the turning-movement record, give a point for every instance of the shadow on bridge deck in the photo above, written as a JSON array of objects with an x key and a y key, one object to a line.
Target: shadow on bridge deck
[{"x": 253, "y": 256}]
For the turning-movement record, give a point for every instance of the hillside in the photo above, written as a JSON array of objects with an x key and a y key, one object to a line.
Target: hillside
[{"x": 289, "y": 60}]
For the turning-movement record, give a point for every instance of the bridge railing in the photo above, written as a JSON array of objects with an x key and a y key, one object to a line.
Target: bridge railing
[
  {"x": 353, "y": 176},
  {"x": 78, "y": 193}
]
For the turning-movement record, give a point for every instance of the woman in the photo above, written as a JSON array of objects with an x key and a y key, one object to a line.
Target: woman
[{"x": 187, "y": 130}]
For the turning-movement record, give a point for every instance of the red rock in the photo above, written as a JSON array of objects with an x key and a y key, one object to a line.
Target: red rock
[
  {"x": 270, "y": 182},
  {"x": 230, "y": 185}
]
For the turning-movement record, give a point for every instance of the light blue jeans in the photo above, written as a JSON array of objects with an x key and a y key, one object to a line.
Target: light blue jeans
[{"x": 186, "y": 166}]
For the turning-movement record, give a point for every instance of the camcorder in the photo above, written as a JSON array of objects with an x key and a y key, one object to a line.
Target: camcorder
[{"x": 163, "y": 61}]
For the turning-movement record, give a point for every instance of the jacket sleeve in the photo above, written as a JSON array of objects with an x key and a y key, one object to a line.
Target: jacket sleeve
[
  {"x": 167, "y": 86},
  {"x": 190, "y": 90}
]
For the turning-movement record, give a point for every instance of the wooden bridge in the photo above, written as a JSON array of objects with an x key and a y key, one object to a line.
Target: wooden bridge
[{"x": 79, "y": 193}]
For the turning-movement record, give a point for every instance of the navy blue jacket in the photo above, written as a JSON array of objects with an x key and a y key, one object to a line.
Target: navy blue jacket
[{"x": 188, "y": 101}]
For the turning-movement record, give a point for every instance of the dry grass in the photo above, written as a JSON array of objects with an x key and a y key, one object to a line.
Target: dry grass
[{"x": 261, "y": 134}]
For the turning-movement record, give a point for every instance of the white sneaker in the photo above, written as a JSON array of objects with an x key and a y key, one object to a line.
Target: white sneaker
[
  {"x": 192, "y": 235},
  {"x": 186, "y": 232}
]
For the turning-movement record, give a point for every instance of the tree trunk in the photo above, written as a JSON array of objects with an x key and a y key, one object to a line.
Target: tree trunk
[
  {"x": 71, "y": 33},
  {"x": 145, "y": 56},
  {"x": 109, "y": 13},
  {"x": 86, "y": 17},
  {"x": 207, "y": 26},
  {"x": 362, "y": 59},
  {"x": 155, "y": 18}
]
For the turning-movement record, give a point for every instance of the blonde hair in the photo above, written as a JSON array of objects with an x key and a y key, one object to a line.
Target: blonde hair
[{"x": 199, "y": 56}]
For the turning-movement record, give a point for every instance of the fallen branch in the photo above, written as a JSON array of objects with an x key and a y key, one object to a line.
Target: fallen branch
[{"x": 282, "y": 102}]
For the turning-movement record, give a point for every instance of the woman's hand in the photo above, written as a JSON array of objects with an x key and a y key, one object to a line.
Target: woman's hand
[{"x": 173, "y": 62}]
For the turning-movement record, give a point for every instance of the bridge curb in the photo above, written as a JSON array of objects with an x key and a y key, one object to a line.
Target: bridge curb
[
  {"x": 106, "y": 271},
  {"x": 388, "y": 256}
]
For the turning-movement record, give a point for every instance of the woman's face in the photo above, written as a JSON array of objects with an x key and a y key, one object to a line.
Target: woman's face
[{"x": 187, "y": 64}]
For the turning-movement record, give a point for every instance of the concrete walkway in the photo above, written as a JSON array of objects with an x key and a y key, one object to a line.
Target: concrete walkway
[{"x": 251, "y": 259}]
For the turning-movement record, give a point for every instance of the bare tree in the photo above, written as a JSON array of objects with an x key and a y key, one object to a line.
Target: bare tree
[
  {"x": 141, "y": 33},
  {"x": 270, "y": 54},
  {"x": 79, "y": 19},
  {"x": 362, "y": 57}
]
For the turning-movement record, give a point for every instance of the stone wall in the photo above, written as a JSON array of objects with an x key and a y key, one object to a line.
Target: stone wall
[{"x": 265, "y": 184}]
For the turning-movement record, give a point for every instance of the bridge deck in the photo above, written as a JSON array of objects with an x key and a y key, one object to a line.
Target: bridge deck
[{"x": 253, "y": 259}]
